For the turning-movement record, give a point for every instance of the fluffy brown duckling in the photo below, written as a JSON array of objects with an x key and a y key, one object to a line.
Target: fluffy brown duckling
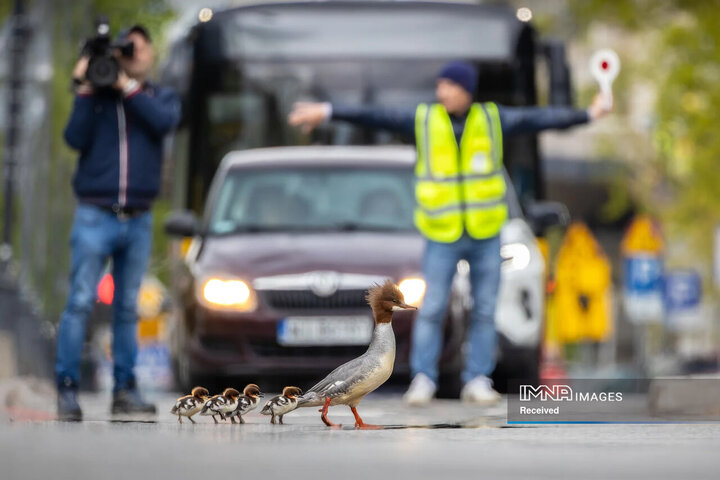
[
  {"x": 247, "y": 402},
  {"x": 282, "y": 404},
  {"x": 221, "y": 404},
  {"x": 189, "y": 405}
]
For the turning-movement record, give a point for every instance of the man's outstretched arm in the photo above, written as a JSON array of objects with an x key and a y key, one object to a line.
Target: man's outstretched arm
[
  {"x": 307, "y": 116},
  {"x": 518, "y": 120}
]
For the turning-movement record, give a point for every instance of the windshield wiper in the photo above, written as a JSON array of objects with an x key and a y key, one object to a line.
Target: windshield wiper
[
  {"x": 338, "y": 227},
  {"x": 365, "y": 227},
  {"x": 256, "y": 228}
]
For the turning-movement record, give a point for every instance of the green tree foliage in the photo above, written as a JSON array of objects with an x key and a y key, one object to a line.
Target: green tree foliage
[{"x": 679, "y": 178}]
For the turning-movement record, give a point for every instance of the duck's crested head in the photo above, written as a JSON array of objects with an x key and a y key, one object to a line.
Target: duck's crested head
[
  {"x": 385, "y": 299},
  {"x": 230, "y": 393},
  {"x": 200, "y": 392},
  {"x": 291, "y": 392},
  {"x": 252, "y": 390}
]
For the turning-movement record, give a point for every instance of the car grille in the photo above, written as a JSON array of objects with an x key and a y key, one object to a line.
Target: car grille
[{"x": 307, "y": 300}]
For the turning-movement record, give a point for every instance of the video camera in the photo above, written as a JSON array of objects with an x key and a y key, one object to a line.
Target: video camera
[{"x": 103, "y": 67}]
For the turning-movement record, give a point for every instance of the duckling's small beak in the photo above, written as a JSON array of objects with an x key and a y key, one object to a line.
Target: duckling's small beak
[{"x": 261, "y": 395}]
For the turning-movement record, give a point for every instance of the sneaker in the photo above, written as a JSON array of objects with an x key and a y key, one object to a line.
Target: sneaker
[
  {"x": 129, "y": 402},
  {"x": 479, "y": 391},
  {"x": 421, "y": 390},
  {"x": 68, "y": 408}
]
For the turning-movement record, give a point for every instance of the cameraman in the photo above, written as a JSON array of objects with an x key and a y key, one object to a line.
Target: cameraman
[{"x": 119, "y": 134}]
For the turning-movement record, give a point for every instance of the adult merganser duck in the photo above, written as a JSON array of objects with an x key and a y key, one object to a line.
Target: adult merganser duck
[
  {"x": 282, "y": 404},
  {"x": 247, "y": 402},
  {"x": 221, "y": 404},
  {"x": 349, "y": 383},
  {"x": 189, "y": 405}
]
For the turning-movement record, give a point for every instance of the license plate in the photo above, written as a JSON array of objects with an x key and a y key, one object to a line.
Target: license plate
[{"x": 309, "y": 331}]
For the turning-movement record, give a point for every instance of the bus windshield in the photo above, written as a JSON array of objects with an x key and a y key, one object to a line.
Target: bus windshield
[
  {"x": 384, "y": 31},
  {"x": 249, "y": 110}
]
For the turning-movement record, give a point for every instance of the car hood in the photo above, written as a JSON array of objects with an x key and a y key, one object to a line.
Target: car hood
[{"x": 250, "y": 256}]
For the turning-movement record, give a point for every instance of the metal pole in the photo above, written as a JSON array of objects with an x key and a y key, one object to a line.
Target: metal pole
[{"x": 12, "y": 139}]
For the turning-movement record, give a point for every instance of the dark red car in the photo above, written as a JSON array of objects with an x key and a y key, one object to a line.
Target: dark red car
[{"x": 275, "y": 278}]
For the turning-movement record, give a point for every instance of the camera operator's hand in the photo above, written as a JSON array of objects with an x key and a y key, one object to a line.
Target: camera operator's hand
[
  {"x": 125, "y": 84},
  {"x": 122, "y": 81},
  {"x": 80, "y": 70}
]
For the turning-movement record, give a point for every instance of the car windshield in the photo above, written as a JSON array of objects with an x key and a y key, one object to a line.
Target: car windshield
[{"x": 310, "y": 199}]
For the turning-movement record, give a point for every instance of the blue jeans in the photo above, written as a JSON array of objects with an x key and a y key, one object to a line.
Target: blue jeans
[
  {"x": 96, "y": 236},
  {"x": 439, "y": 267}
]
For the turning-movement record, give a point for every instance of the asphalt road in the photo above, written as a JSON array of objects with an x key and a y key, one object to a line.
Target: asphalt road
[{"x": 446, "y": 439}]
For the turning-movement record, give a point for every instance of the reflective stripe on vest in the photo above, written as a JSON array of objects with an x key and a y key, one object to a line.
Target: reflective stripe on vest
[{"x": 459, "y": 189}]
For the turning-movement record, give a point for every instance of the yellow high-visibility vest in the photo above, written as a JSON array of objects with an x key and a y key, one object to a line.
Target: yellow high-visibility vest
[{"x": 459, "y": 189}]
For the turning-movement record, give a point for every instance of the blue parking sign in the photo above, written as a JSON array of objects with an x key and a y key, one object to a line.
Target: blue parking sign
[
  {"x": 642, "y": 289},
  {"x": 643, "y": 275},
  {"x": 683, "y": 291}
]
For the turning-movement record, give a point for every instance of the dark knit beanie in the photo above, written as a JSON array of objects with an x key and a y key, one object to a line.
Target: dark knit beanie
[{"x": 462, "y": 73}]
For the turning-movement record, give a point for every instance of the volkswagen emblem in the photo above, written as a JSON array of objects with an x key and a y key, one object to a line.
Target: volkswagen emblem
[{"x": 324, "y": 284}]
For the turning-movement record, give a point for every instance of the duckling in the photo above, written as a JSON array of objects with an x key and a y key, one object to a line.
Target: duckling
[
  {"x": 211, "y": 404},
  {"x": 246, "y": 402},
  {"x": 189, "y": 405},
  {"x": 282, "y": 404},
  {"x": 221, "y": 404},
  {"x": 349, "y": 383}
]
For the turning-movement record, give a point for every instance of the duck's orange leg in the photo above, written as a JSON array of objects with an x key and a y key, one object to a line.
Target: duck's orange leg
[
  {"x": 324, "y": 411},
  {"x": 362, "y": 425}
]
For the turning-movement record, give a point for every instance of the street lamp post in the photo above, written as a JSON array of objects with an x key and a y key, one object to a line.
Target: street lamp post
[{"x": 12, "y": 139}]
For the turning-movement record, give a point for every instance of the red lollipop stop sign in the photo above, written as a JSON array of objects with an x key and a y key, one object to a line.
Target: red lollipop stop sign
[{"x": 605, "y": 66}]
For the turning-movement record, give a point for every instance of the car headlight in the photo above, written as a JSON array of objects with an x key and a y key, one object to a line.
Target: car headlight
[
  {"x": 516, "y": 256},
  {"x": 227, "y": 294},
  {"x": 413, "y": 289}
]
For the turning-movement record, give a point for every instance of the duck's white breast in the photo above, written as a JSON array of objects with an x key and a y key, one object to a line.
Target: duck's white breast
[{"x": 370, "y": 382}]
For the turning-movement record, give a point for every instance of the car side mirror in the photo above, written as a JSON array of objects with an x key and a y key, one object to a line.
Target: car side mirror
[
  {"x": 182, "y": 223},
  {"x": 545, "y": 214}
]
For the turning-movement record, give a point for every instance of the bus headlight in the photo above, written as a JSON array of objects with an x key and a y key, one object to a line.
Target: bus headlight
[
  {"x": 413, "y": 289},
  {"x": 516, "y": 256},
  {"x": 227, "y": 294}
]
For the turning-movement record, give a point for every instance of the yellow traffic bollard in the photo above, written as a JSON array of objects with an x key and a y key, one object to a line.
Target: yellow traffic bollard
[
  {"x": 151, "y": 317},
  {"x": 583, "y": 294}
]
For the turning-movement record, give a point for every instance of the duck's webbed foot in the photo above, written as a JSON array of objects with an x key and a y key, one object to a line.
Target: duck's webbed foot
[
  {"x": 324, "y": 411},
  {"x": 362, "y": 425}
]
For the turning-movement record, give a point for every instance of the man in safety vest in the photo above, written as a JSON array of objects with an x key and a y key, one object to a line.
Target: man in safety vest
[{"x": 461, "y": 207}]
